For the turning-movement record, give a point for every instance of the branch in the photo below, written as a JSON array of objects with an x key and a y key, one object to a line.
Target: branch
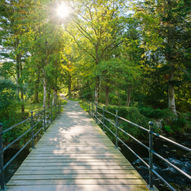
[{"x": 80, "y": 45}]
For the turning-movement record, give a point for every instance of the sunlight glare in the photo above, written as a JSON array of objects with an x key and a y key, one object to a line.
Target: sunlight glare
[{"x": 63, "y": 11}]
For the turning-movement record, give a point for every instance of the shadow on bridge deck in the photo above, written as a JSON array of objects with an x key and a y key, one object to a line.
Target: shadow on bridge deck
[{"x": 74, "y": 155}]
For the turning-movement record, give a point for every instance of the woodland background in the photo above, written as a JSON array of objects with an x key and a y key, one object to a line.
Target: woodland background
[{"x": 130, "y": 55}]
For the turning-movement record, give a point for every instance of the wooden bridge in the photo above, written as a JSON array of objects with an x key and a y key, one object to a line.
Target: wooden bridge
[{"x": 73, "y": 155}]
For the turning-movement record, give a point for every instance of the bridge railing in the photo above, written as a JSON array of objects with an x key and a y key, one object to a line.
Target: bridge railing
[
  {"x": 35, "y": 125},
  {"x": 101, "y": 118}
]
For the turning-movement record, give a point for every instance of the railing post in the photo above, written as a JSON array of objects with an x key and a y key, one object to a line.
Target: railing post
[
  {"x": 103, "y": 113},
  {"x": 2, "y": 158},
  {"x": 51, "y": 112},
  {"x": 150, "y": 155},
  {"x": 60, "y": 106},
  {"x": 32, "y": 129},
  {"x": 44, "y": 121},
  {"x": 92, "y": 115},
  {"x": 96, "y": 113},
  {"x": 89, "y": 109},
  {"x": 116, "y": 126}
]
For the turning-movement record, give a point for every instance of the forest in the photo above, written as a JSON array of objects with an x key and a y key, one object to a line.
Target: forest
[
  {"x": 134, "y": 55},
  {"x": 131, "y": 58}
]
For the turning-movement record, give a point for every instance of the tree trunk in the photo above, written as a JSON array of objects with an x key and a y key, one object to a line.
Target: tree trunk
[
  {"x": 97, "y": 90},
  {"x": 129, "y": 90},
  {"x": 107, "y": 95},
  {"x": 69, "y": 85},
  {"x": 44, "y": 89},
  {"x": 22, "y": 103},
  {"x": 48, "y": 98},
  {"x": 55, "y": 96},
  {"x": 53, "y": 101},
  {"x": 36, "y": 95},
  {"x": 18, "y": 75},
  {"x": 169, "y": 57},
  {"x": 171, "y": 95},
  {"x": 22, "y": 92}
]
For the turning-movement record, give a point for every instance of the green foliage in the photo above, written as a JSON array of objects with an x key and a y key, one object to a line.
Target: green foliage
[
  {"x": 131, "y": 114},
  {"x": 168, "y": 129},
  {"x": 155, "y": 113},
  {"x": 84, "y": 105},
  {"x": 179, "y": 125},
  {"x": 100, "y": 53},
  {"x": 7, "y": 93},
  {"x": 63, "y": 102}
]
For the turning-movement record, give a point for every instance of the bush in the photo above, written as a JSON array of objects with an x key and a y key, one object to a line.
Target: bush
[
  {"x": 156, "y": 113},
  {"x": 131, "y": 114},
  {"x": 84, "y": 105}
]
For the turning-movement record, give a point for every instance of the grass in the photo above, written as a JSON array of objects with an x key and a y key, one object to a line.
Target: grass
[
  {"x": 84, "y": 105},
  {"x": 33, "y": 106},
  {"x": 63, "y": 102},
  {"x": 74, "y": 99}
]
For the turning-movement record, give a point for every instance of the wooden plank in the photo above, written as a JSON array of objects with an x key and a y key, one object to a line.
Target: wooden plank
[
  {"x": 86, "y": 163},
  {"x": 76, "y": 176},
  {"x": 74, "y": 171},
  {"x": 78, "y": 188},
  {"x": 68, "y": 160},
  {"x": 75, "y": 167},
  {"x": 77, "y": 181}
]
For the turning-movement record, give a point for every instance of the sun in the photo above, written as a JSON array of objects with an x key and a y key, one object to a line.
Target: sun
[{"x": 63, "y": 11}]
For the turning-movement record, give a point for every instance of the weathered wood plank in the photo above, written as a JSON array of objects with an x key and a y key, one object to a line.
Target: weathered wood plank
[
  {"x": 79, "y": 171},
  {"x": 75, "y": 167},
  {"x": 76, "y": 176},
  {"x": 86, "y": 163},
  {"x": 76, "y": 171},
  {"x": 78, "y": 188},
  {"x": 103, "y": 181}
]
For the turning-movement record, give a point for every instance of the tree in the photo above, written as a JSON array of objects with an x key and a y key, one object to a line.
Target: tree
[
  {"x": 163, "y": 25},
  {"x": 96, "y": 27}
]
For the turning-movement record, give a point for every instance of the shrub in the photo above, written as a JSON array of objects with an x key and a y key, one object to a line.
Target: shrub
[
  {"x": 131, "y": 114},
  {"x": 155, "y": 113}
]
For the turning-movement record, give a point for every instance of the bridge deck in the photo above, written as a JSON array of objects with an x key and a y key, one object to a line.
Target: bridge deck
[{"x": 73, "y": 155}]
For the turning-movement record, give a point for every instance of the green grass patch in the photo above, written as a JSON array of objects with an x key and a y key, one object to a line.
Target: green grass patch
[
  {"x": 63, "y": 102},
  {"x": 84, "y": 105}
]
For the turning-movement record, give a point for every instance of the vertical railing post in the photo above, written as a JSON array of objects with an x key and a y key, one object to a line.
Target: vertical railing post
[
  {"x": 60, "y": 106},
  {"x": 103, "y": 113},
  {"x": 32, "y": 129},
  {"x": 54, "y": 111},
  {"x": 150, "y": 155},
  {"x": 51, "y": 112},
  {"x": 96, "y": 113},
  {"x": 89, "y": 109},
  {"x": 116, "y": 126},
  {"x": 44, "y": 121},
  {"x": 92, "y": 110},
  {"x": 2, "y": 178}
]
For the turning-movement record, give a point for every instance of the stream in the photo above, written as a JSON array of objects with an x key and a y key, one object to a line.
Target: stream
[
  {"x": 11, "y": 169},
  {"x": 170, "y": 152}
]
